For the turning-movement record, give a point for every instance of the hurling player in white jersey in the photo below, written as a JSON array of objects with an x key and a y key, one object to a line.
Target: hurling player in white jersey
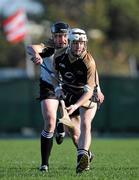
[{"x": 43, "y": 55}]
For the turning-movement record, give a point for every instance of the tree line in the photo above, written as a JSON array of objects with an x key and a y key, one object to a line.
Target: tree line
[{"x": 116, "y": 20}]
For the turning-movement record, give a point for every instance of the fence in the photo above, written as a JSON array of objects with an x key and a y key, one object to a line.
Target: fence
[{"x": 119, "y": 112}]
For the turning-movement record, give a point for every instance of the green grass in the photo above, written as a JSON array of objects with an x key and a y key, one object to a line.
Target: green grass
[{"x": 115, "y": 159}]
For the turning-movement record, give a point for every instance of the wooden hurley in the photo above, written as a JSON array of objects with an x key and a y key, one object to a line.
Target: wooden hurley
[{"x": 65, "y": 117}]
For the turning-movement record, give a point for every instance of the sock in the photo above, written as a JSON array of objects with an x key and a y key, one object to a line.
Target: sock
[{"x": 46, "y": 146}]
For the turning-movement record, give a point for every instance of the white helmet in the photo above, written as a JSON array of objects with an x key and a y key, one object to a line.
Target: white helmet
[{"x": 77, "y": 34}]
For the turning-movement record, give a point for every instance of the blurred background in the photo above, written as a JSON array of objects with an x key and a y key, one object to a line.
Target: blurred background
[{"x": 112, "y": 27}]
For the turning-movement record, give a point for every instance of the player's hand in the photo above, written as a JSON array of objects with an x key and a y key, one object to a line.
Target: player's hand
[
  {"x": 37, "y": 59},
  {"x": 59, "y": 93},
  {"x": 100, "y": 97},
  {"x": 72, "y": 108}
]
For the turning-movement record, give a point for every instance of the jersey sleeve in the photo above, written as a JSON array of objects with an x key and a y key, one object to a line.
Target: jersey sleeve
[
  {"x": 91, "y": 70},
  {"x": 48, "y": 43},
  {"x": 48, "y": 48}
]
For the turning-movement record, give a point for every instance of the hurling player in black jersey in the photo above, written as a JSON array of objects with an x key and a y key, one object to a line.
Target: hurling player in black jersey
[{"x": 78, "y": 72}]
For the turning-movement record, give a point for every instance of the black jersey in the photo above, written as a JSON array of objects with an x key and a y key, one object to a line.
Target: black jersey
[{"x": 75, "y": 71}]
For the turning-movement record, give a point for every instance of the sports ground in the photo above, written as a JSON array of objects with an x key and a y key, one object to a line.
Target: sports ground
[{"x": 115, "y": 159}]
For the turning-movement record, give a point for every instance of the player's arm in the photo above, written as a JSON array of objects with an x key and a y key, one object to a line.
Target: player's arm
[
  {"x": 34, "y": 51},
  {"x": 100, "y": 94}
]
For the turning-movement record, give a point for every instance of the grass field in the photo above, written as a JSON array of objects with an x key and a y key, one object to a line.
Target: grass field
[{"x": 115, "y": 159}]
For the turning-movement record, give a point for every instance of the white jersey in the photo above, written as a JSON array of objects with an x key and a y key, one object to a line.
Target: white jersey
[{"x": 48, "y": 63}]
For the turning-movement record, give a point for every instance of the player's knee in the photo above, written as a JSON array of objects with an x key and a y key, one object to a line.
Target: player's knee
[{"x": 50, "y": 126}]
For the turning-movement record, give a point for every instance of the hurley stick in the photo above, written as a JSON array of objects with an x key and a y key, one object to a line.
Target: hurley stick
[{"x": 65, "y": 117}]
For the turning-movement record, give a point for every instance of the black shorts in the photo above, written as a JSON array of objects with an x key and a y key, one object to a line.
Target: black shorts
[
  {"x": 72, "y": 95},
  {"x": 46, "y": 91}
]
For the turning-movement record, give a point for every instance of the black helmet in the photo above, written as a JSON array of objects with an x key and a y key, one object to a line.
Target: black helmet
[{"x": 59, "y": 27}]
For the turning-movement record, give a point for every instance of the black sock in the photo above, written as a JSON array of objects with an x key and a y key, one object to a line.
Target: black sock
[{"x": 46, "y": 146}]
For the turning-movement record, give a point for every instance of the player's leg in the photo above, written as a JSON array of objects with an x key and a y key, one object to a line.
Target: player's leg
[
  {"x": 49, "y": 112},
  {"x": 75, "y": 132},
  {"x": 83, "y": 158}
]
